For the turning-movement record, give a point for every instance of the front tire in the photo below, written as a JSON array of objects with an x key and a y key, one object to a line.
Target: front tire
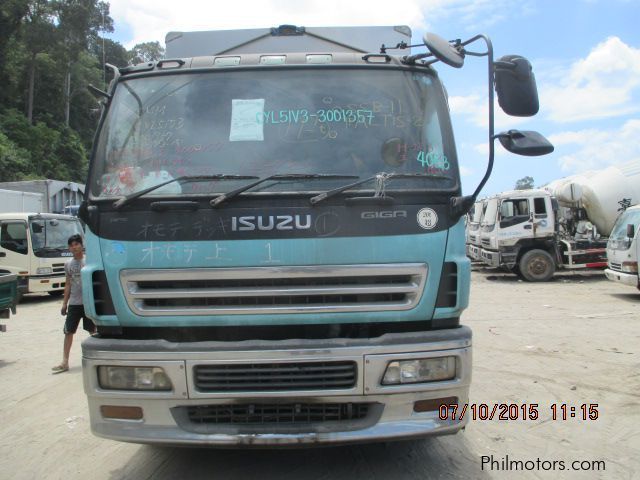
[{"x": 537, "y": 266}]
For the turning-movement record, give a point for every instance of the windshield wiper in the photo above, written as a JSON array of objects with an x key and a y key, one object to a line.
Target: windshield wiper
[
  {"x": 121, "y": 202},
  {"x": 49, "y": 249},
  {"x": 278, "y": 176},
  {"x": 323, "y": 196}
]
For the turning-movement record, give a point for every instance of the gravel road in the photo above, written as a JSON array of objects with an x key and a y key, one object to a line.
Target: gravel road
[{"x": 573, "y": 341}]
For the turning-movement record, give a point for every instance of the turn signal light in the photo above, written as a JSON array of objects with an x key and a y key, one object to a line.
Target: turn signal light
[
  {"x": 119, "y": 412},
  {"x": 433, "y": 404}
]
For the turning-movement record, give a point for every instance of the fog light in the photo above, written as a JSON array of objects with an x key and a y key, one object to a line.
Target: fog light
[
  {"x": 420, "y": 370},
  {"x": 133, "y": 378},
  {"x": 119, "y": 412}
]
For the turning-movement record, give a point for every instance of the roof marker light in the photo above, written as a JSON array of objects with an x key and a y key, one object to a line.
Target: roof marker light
[
  {"x": 226, "y": 61},
  {"x": 272, "y": 59},
  {"x": 318, "y": 59}
]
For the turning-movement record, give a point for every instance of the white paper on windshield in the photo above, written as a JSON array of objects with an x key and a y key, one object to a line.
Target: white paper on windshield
[{"x": 245, "y": 124}]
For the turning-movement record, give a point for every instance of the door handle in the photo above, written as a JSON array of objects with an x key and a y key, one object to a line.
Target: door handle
[
  {"x": 3, "y": 254},
  {"x": 527, "y": 227}
]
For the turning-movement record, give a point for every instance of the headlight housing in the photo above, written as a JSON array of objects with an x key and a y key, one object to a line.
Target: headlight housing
[
  {"x": 630, "y": 267},
  {"x": 44, "y": 271},
  {"x": 133, "y": 378},
  {"x": 421, "y": 370}
]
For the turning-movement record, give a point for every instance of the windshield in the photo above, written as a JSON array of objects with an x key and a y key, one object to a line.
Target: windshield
[
  {"x": 619, "y": 231},
  {"x": 356, "y": 122},
  {"x": 478, "y": 210},
  {"x": 490, "y": 213},
  {"x": 52, "y": 233}
]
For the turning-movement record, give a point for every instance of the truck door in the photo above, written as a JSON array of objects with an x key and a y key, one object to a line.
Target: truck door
[
  {"x": 515, "y": 219},
  {"x": 14, "y": 247},
  {"x": 542, "y": 217}
]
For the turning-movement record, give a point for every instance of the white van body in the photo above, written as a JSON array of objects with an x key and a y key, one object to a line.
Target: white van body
[{"x": 34, "y": 247}]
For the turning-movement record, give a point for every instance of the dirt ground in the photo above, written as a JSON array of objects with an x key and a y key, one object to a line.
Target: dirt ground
[{"x": 571, "y": 341}]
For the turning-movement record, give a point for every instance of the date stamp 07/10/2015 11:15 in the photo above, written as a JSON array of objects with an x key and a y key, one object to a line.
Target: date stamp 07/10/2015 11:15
[{"x": 514, "y": 411}]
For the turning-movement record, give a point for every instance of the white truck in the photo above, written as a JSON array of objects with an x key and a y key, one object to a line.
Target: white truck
[
  {"x": 623, "y": 249},
  {"x": 564, "y": 225},
  {"x": 33, "y": 246}
]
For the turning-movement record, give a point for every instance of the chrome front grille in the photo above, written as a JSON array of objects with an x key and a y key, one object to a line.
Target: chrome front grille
[
  {"x": 486, "y": 242},
  {"x": 58, "y": 268},
  {"x": 275, "y": 377},
  {"x": 326, "y": 289},
  {"x": 277, "y": 414},
  {"x": 615, "y": 266}
]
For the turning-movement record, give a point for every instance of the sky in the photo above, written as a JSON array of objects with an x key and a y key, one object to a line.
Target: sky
[{"x": 585, "y": 56}]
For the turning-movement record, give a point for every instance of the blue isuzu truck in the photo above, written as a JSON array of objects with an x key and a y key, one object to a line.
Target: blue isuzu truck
[{"x": 275, "y": 238}]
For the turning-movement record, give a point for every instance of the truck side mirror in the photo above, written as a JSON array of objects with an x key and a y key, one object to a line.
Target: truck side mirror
[
  {"x": 516, "y": 86},
  {"x": 631, "y": 230},
  {"x": 528, "y": 143}
]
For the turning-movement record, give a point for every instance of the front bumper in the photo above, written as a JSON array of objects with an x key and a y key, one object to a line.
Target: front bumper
[
  {"x": 473, "y": 252},
  {"x": 631, "y": 279},
  {"x": 44, "y": 284},
  {"x": 490, "y": 258},
  {"x": 393, "y": 414}
]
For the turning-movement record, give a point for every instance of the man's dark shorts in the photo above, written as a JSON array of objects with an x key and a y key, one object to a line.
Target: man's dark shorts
[{"x": 74, "y": 314}]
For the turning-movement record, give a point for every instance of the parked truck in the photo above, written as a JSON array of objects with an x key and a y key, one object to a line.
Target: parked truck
[
  {"x": 623, "y": 248},
  {"x": 33, "y": 246},
  {"x": 275, "y": 238},
  {"x": 8, "y": 295},
  {"x": 564, "y": 225}
]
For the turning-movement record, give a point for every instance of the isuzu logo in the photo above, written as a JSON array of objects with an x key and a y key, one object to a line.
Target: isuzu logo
[
  {"x": 384, "y": 214},
  {"x": 270, "y": 222}
]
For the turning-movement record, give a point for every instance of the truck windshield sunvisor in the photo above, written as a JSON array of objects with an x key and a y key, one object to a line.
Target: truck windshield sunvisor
[{"x": 334, "y": 122}]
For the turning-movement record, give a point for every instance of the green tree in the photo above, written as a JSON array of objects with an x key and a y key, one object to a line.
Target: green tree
[
  {"x": 80, "y": 22},
  {"x": 108, "y": 51},
  {"x": 146, "y": 52},
  {"x": 50, "y": 51},
  {"x": 70, "y": 152},
  {"x": 14, "y": 161},
  {"x": 525, "y": 183},
  {"x": 39, "y": 34},
  {"x": 11, "y": 15}
]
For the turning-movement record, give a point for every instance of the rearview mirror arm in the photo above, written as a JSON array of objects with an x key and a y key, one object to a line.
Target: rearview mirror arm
[{"x": 461, "y": 204}]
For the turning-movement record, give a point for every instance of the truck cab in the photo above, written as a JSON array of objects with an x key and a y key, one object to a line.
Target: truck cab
[
  {"x": 275, "y": 239},
  {"x": 623, "y": 249},
  {"x": 33, "y": 246},
  {"x": 523, "y": 221}
]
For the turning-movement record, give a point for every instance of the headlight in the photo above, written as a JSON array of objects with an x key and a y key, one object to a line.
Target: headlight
[
  {"x": 44, "y": 271},
  {"x": 420, "y": 370},
  {"x": 133, "y": 378},
  {"x": 630, "y": 267}
]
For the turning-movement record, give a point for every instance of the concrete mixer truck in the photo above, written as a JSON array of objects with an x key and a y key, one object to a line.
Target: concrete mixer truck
[{"x": 563, "y": 225}]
